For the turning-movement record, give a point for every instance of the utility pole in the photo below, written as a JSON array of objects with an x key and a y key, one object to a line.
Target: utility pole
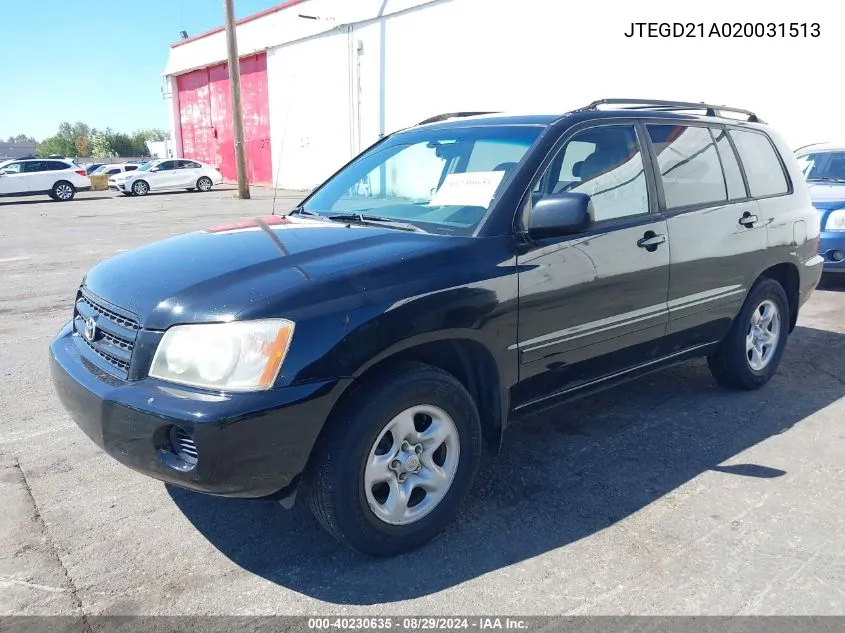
[{"x": 235, "y": 85}]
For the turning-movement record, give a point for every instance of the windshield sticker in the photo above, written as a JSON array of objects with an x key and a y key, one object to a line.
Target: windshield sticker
[{"x": 473, "y": 189}]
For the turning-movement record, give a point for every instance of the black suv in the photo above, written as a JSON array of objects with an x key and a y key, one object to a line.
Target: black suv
[{"x": 370, "y": 346}]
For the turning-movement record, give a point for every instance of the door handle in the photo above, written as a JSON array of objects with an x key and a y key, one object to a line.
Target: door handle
[
  {"x": 747, "y": 220},
  {"x": 651, "y": 240}
]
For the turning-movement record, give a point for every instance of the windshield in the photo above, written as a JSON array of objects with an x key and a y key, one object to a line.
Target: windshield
[
  {"x": 147, "y": 166},
  {"x": 824, "y": 166},
  {"x": 442, "y": 180},
  {"x": 99, "y": 170}
]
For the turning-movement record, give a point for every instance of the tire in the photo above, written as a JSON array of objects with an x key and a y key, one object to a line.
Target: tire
[
  {"x": 63, "y": 191},
  {"x": 126, "y": 193},
  {"x": 204, "y": 183},
  {"x": 140, "y": 188},
  {"x": 438, "y": 412},
  {"x": 191, "y": 189},
  {"x": 739, "y": 363}
]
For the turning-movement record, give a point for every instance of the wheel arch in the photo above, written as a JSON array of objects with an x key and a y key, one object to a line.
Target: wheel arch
[
  {"x": 465, "y": 358},
  {"x": 788, "y": 276}
]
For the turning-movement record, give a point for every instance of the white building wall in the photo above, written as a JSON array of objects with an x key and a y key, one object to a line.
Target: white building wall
[{"x": 423, "y": 58}]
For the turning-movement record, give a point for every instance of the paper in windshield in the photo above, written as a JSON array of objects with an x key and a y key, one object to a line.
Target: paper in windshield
[{"x": 473, "y": 189}]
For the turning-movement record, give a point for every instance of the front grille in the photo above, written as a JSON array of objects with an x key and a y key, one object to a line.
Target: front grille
[
  {"x": 113, "y": 336},
  {"x": 183, "y": 445}
]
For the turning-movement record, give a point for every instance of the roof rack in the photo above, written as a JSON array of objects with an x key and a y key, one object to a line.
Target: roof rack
[
  {"x": 451, "y": 115},
  {"x": 669, "y": 106}
]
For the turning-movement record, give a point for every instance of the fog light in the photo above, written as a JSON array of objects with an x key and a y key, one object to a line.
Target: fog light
[
  {"x": 836, "y": 255},
  {"x": 182, "y": 445}
]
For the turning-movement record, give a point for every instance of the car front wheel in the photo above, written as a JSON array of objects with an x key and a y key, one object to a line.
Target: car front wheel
[
  {"x": 398, "y": 461},
  {"x": 140, "y": 188}
]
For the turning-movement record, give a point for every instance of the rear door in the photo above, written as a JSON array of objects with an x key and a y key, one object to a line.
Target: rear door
[
  {"x": 718, "y": 237},
  {"x": 38, "y": 176},
  {"x": 594, "y": 304},
  {"x": 188, "y": 173}
]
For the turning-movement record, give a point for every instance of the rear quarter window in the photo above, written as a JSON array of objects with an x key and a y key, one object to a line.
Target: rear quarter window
[{"x": 763, "y": 168}]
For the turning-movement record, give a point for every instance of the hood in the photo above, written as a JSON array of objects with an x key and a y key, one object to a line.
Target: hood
[
  {"x": 122, "y": 175},
  {"x": 213, "y": 275},
  {"x": 827, "y": 195}
]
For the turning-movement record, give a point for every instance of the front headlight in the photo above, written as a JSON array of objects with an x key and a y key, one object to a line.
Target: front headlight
[
  {"x": 235, "y": 356},
  {"x": 835, "y": 221}
]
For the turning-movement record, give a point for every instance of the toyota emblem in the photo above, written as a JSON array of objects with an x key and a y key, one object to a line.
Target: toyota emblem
[{"x": 90, "y": 329}]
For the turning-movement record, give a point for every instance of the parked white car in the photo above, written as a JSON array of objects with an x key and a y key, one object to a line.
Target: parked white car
[
  {"x": 166, "y": 173},
  {"x": 114, "y": 169},
  {"x": 59, "y": 179}
]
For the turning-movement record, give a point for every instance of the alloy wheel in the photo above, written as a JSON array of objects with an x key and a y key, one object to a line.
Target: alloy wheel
[
  {"x": 763, "y": 335},
  {"x": 411, "y": 465}
]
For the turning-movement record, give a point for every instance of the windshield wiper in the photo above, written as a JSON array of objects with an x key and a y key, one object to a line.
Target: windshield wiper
[
  {"x": 826, "y": 179},
  {"x": 374, "y": 220}
]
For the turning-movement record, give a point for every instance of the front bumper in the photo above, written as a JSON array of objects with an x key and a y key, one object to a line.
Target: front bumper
[
  {"x": 249, "y": 445},
  {"x": 117, "y": 186},
  {"x": 830, "y": 242}
]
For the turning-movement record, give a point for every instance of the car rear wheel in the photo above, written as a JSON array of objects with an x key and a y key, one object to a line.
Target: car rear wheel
[
  {"x": 398, "y": 461},
  {"x": 140, "y": 188},
  {"x": 204, "y": 183},
  {"x": 750, "y": 354},
  {"x": 63, "y": 191}
]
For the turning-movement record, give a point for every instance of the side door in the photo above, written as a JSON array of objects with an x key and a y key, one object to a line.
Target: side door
[
  {"x": 164, "y": 175},
  {"x": 718, "y": 237},
  {"x": 13, "y": 179},
  {"x": 187, "y": 173},
  {"x": 37, "y": 176},
  {"x": 593, "y": 304}
]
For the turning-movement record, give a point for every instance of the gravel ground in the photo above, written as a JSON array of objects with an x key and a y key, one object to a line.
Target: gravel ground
[{"x": 668, "y": 495}]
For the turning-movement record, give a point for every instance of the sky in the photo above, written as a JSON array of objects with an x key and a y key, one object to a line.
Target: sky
[{"x": 100, "y": 63}]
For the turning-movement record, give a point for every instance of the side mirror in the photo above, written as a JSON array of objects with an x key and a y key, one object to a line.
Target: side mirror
[
  {"x": 155, "y": 169},
  {"x": 561, "y": 214}
]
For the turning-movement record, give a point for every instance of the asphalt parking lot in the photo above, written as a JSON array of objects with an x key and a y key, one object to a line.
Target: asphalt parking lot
[{"x": 668, "y": 495}]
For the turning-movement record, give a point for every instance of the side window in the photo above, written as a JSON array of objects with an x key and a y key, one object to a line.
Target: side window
[
  {"x": 730, "y": 165},
  {"x": 131, "y": 167},
  {"x": 113, "y": 171},
  {"x": 606, "y": 163},
  {"x": 192, "y": 165},
  {"x": 762, "y": 167},
  {"x": 167, "y": 165},
  {"x": 14, "y": 168},
  {"x": 689, "y": 165},
  {"x": 55, "y": 165},
  {"x": 34, "y": 166}
]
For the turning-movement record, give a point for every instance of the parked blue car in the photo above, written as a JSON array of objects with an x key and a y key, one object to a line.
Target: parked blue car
[{"x": 824, "y": 169}]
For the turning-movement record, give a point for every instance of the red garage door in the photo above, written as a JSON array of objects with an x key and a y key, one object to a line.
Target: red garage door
[{"x": 206, "y": 118}]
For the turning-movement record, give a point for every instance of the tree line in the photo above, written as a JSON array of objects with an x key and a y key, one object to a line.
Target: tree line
[{"x": 80, "y": 139}]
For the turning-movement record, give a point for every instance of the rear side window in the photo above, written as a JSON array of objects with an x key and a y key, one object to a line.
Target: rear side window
[
  {"x": 35, "y": 165},
  {"x": 689, "y": 165},
  {"x": 762, "y": 166},
  {"x": 192, "y": 165},
  {"x": 730, "y": 165},
  {"x": 55, "y": 165},
  {"x": 113, "y": 171}
]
